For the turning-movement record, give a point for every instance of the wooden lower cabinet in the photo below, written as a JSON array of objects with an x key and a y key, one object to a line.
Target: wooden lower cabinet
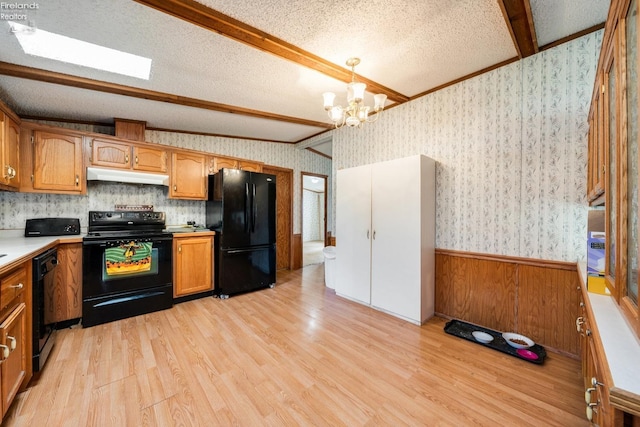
[
  {"x": 192, "y": 264},
  {"x": 13, "y": 353},
  {"x": 64, "y": 300}
]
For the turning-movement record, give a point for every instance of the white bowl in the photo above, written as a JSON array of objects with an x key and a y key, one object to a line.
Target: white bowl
[
  {"x": 482, "y": 337},
  {"x": 516, "y": 340}
]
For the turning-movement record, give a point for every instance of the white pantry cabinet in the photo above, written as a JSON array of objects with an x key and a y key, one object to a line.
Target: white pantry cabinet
[{"x": 385, "y": 234}]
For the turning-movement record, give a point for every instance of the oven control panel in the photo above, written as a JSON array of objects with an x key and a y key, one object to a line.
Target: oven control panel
[{"x": 126, "y": 218}]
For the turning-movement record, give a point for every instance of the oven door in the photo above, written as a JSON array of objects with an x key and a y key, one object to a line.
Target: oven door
[{"x": 125, "y": 278}]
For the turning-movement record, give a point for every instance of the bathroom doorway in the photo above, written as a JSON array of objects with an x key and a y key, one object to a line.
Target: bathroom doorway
[{"x": 314, "y": 217}]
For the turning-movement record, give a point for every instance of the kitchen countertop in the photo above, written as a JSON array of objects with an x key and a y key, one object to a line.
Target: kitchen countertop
[
  {"x": 621, "y": 347},
  {"x": 20, "y": 249}
]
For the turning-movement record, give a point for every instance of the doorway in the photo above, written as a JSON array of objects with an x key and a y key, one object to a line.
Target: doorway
[
  {"x": 314, "y": 217},
  {"x": 284, "y": 203}
]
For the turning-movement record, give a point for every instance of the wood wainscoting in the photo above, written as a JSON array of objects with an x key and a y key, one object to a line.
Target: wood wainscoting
[{"x": 537, "y": 298}]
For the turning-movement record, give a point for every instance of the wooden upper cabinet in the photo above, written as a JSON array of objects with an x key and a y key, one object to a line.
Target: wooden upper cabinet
[
  {"x": 121, "y": 155},
  {"x": 229, "y": 163},
  {"x": 149, "y": 159},
  {"x": 224, "y": 162},
  {"x": 188, "y": 176},
  {"x": 596, "y": 154},
  {"x": 110, "y": 154},
  {"x": 249, "y": 166},
  {"x": 57, "y": 162},
  {"x": 9, "y": 151}
]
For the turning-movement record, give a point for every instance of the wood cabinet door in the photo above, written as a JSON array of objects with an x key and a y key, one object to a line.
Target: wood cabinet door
[
  {"x": 63, "y": 300},
  {"x": 110, "y": 154},
  {"x": 13, "y": 349},
  {"x": 149, "y": 159},
  {"x": 58, "y": 162},
  {"x": 193, "y": 265},
  {"x": 10, "y": 153},
  {"x": 188, "y": 176},
  {"x": 224, "y": 162},
  {"x": 249, "y": 166},
  {"x": 353, "y": 229}
]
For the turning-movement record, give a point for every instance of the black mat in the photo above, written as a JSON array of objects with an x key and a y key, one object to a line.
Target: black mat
[{"x": 464, "y": 330}]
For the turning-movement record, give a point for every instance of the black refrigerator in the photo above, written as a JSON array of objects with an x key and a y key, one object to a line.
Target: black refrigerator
[{"x": 241, "y": 209}]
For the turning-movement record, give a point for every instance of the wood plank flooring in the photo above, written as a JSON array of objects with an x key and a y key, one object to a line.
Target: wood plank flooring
[{"x": 293, "y": 355}]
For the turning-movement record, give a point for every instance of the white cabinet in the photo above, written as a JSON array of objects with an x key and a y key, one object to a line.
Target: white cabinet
[{"x": 385, "y": 234}]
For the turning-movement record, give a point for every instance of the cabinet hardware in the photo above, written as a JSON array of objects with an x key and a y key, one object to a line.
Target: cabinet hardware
[
  {"x": 374, "y": 234},
  {"x": 175, "y": 188},
  {"x": 126, "y": 158},
  {"x": 602, "y": 88},
  {"x": 180, "y": 249},
  {"x": 595, "y": 383},
  {"x": 5, "y": 351},
  {"x": 136, "y": 160},
  {"x": 18, "y": 286},
  {"x": 367, "y": 234},
  {"x": 587, "y": 394},
  {"x": 588, "y": 332},
  {"x": 13, "y": 344},
  {"x": 77, "y": 180},
  {"x": 581, "y": 304},
  {"x": 590, "y": 410},
  {"x": 579, "y": 322}
]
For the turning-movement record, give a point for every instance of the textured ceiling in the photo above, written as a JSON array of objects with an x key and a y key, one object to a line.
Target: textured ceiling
[{"x": 407, "y": 47}]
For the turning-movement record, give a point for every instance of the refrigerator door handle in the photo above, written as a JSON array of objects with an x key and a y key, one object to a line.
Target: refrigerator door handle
[
  {"x": 246, "y": 207},
  {"x": 254, "y": 205}
]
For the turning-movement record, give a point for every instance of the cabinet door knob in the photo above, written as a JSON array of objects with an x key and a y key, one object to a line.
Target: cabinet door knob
[
  {"x": 12, "y": 345},
  {"x": 180, "y": 249},
  {"x": 5, "y": 351},
  {"x": 587, "y": 395},
  {"x": 175, "y": 188},
  {"x": 579, "y": 322},
  {"x": 77, "y": 180},
  {"x": 136, "y": 160},
  {"x": 18, "y": 286},
  {"x": 126, "y": 158}
]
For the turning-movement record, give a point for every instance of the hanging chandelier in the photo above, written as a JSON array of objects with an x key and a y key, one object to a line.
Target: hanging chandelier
[{"x": 355, "y": 113}]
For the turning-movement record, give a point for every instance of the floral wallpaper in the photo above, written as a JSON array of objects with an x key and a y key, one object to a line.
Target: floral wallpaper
[
  {"x": 510, "y": 147},
  {"x": 511, "y": 153}
]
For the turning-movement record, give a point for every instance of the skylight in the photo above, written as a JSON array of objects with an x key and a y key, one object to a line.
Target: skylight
[{"x": 61, "y": 48}]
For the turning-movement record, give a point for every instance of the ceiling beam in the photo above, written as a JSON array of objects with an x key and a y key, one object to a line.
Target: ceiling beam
[
  {"x": 210, "y": 19},
  {"x": 518, "y": 17},
  {"x": 37, "y": 74}
]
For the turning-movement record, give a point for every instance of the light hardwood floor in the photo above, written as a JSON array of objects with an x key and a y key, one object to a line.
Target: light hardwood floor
[{"x": 293, "y": 355}]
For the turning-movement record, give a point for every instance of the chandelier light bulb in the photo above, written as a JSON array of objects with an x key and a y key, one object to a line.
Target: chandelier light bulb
[
  {"x": 355, "y": 113},
  {"x": 328, "y": 100}
]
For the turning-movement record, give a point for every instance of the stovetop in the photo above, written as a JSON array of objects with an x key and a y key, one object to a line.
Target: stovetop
[{"x": 125, "y": 223}]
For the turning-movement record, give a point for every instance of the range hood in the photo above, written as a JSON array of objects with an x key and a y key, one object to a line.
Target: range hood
[{"x": 119, "y": 175}]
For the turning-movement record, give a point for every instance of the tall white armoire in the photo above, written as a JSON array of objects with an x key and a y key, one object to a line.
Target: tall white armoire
[{"x": 385, "y": 236}]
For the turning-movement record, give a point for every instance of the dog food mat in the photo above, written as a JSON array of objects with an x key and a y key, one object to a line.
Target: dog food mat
[{"x": 534, "y": 354}]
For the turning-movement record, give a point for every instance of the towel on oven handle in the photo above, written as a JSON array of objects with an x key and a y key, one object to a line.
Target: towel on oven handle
[{"x": 128, "y": 258}]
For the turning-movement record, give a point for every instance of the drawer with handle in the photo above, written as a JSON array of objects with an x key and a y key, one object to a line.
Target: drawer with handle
[{"x": 12, "y": 285}]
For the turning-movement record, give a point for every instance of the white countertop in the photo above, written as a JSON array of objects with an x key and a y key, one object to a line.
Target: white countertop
[
  {"x": 620, "y": 343},
  {"x": 19, "y": 248}
]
